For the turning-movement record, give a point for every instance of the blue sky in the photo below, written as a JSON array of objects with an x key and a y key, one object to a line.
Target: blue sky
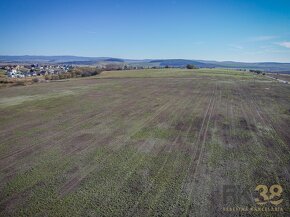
[{"x": 238, "y": 30}]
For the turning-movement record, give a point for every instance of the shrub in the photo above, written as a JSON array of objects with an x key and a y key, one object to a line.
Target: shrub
[
  {"x": 19, "y": 83},
  {"x": 54, "y": 77},
  {"x": 190, "y": 66},
  {"x": 256, "y": 71},
  {"x": 61, "y": 76},
  {"x": 47, "y": 77},
  {"x": 35, "y": 80},
  {"x": 84, "y": 71}
]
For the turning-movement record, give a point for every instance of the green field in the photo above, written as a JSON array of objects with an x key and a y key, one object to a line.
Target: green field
[
  {"x": 162, "y": 142},
  {"x": 2, "y": 72},
  {"x": 155, "y": 73}
]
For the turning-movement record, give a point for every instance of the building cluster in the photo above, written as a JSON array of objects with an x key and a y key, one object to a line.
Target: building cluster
[{"x": 22, "y": 71}]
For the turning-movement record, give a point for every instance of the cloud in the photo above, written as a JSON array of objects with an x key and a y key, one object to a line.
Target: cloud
[
  {"x": 263, "y": 38},
  {"x": 236, "y": 46},
  {"x": 284, "y": 44}
]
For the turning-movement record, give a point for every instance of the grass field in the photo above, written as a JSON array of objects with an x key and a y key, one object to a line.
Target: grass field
[
  {"x": 143, "y": 143},
  {"x": 2, "y": 73},
  {"x": 285, "y": 77}
]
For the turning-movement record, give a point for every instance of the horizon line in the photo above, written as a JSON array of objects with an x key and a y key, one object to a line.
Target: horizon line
[{"x": 140, "y": 59}]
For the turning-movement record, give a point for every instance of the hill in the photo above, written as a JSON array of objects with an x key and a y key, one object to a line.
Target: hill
[{"x": 78, "y": 60}]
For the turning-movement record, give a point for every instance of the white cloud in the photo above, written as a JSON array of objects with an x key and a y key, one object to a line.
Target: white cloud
[
  {"x": 263, "y": 38},
  {"x": 284, "y": 44}
]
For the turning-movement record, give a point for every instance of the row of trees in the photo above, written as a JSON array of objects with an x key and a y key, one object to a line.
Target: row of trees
[
  {"x": 75, "y": 73},
  {"x": 188, "y": 66},
  {"x": 85, "y": 71},
  {"x": 257, "y": 72}
]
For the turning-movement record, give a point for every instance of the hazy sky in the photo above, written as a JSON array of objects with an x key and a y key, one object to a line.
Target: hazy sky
[{"x": 239, "y": 30}]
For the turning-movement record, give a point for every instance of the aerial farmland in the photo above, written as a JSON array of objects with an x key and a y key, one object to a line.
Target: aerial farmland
[{"x": 156, "y": 142}]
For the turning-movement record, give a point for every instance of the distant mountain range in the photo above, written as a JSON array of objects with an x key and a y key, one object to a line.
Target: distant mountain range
[{"x": 77, "y": 60}]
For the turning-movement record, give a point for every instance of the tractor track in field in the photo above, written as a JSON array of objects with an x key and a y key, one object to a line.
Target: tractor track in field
[
  {"x": 195, "y": 159},
  {"x": 75, "y": 125},
  {"x": 177, "y": 157},
  {"x": 133, "y": 209},
  {"x": 267, "y": 122},
  {"x": 129, "y": 101},
  {"x": 158, "y": 148},
  {"x": 275, "y": 134},
  {"x": 21, "y": 126},
  {"x": 36, "y": 147},
  {"x": 72, "y": 183},
  {"x": 77, "y": 178},
  {"x": 67, "y": 130},
  {"x": 200, "y": 151},
  {"x": 250, "y": 116},
  {"x": 152, "y": 182},
  {"x": 164, "y": 163},
  {"x": 242, "y": 106},
  {"x": 130, "y": 173},
  {"x": 64, "y": 133},
  {"x": 254, "y": 108}
]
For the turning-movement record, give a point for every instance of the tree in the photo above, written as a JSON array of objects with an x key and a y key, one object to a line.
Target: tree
[
  {"x": 256, "y": 71},
  {"x": 190, "y": 66}
]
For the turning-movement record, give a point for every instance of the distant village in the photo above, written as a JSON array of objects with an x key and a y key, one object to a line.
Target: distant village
[
  {"x": 22, "y": 71},
  {"x": 34, "y": 70}
]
